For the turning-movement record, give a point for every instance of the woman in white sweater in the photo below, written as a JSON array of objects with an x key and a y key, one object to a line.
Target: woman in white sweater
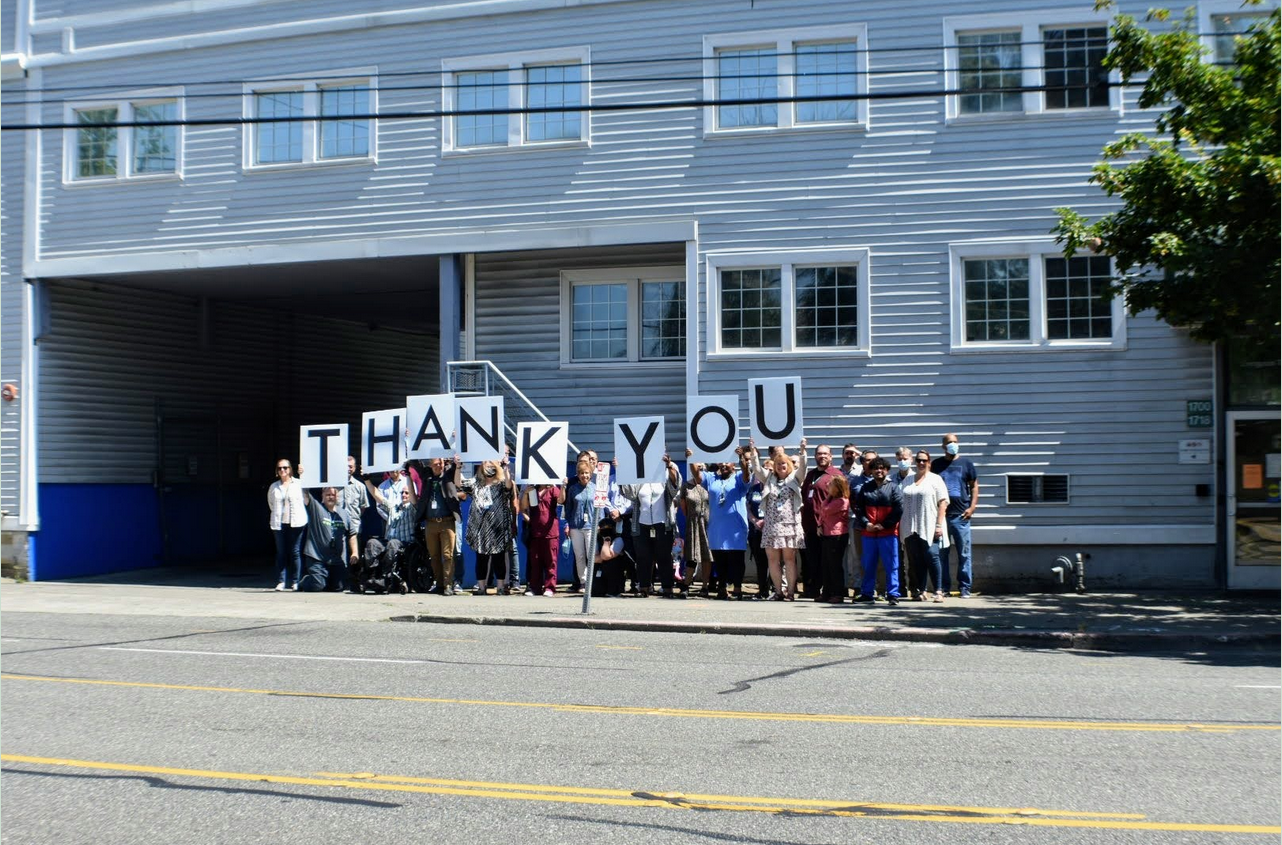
[{"x": 288, "y": 523}]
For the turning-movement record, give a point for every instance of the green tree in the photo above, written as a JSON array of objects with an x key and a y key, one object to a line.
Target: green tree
[{"x": 1197, "y": 236}]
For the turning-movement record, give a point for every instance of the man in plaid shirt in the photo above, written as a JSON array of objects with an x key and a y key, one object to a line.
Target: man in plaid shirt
[{"x": 398, "y": 499}]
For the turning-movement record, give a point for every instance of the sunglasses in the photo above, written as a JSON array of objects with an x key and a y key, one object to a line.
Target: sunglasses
[
  {"x": 923, "y": 460},
  {"x": 282, "y": 469}
]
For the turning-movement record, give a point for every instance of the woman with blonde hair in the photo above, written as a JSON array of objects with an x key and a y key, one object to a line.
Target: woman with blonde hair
[
  {"x": 580, "y": 516},
  {"x": 781, "y": 534},
  {"x": 491, "y": 521}
]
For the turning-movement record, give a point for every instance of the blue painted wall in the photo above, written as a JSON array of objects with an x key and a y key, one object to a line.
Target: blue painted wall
[{"x": 93, "y": 529}]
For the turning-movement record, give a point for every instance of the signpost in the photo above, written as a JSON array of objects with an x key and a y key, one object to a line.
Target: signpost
[{"x": 600, "y": 501}]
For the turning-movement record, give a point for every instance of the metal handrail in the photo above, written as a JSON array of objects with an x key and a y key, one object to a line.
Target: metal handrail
[{"x": 505, "y": 385}]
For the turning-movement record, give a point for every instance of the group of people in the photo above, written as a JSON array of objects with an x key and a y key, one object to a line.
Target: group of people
[{"x": 867, "y": 527}]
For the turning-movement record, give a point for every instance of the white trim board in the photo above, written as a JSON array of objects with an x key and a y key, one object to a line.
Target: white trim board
[{"x": 492, "y": 240}]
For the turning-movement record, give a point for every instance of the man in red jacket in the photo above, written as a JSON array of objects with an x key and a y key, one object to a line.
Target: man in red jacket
[{"x": 878, "y": 507}]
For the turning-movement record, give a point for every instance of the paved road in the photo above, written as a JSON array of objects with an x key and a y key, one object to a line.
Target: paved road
[{"x": 169, "y": 730}]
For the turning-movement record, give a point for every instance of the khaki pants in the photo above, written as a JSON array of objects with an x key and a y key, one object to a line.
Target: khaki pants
[{"x": 440, "y": 547}]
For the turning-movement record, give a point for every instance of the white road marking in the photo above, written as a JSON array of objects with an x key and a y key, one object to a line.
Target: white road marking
[
  {"x": 1257, "y": 686},
  {"x": 269, "y": 656}
]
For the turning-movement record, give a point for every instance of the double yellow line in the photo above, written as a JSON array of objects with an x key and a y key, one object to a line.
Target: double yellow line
[
  {"x": 824, "y": 718},
  {"x": 670, "y": 800}
]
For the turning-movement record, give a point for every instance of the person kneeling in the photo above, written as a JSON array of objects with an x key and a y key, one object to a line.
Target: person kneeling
[
  {"x": 608, "y": 561},
  {"x": 330, "y": 544}
]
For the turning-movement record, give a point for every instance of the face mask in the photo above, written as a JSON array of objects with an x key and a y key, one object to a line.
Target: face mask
[
  {"x": 905, "y": 464},
  {"x": 951, "y": 448},
  {"x": 490, "y": 472}
]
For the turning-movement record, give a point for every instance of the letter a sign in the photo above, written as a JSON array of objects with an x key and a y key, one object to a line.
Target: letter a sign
[
  {"x": 774, "y": 411},
  {"x": 712, "y": 428},
  {"x": 322, "y": 453},
  {"x": 429, "y": 424},
  {"x": 541, "y": 449}
]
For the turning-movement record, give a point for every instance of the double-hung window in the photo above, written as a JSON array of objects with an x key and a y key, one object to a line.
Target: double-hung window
[
  {"x": 628, "y": 315},
  {"x": 1026, "y": 63},
  {"x": 786, "y": 79},
  {"x": 99, "y": 149},
  {"x": 1222, "y": 22},
  {"x": 800, "y": 302},
  {"x": 324, "y": 120},
  {"x": 1019, "y": 295},
  {"x": 516, "y": 100}
]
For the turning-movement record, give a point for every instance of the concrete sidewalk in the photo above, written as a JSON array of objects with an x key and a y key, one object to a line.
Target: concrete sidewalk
[{"x": 1114, "y": 621}]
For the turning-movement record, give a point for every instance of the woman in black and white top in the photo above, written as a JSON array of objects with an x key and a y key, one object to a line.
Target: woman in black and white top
[
  {"x": 491, "y": 521},
  {"x": 288, "y": 521}
]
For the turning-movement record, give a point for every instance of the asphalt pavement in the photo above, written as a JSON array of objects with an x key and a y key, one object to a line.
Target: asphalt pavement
[{"x": 177, "y": 728}]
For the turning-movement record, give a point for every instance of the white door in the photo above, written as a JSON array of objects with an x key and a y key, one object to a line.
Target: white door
[{"x": 1254, "y": 505}]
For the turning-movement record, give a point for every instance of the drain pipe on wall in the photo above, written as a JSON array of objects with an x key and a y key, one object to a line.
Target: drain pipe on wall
[{"x": 1077, "y": 566}]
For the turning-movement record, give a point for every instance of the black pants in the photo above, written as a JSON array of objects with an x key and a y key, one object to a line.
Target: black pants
[
  {"x": 653, "y": 552},
  {"x": 832, "y": 551},
  {"x": 760, "y": 561},
  {"x": 730, "y": 567},
  {"x": 811, "y": 567},
  {"x": 486, "y": 565}
]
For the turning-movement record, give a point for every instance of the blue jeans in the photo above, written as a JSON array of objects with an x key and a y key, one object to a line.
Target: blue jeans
[
  {"x": 883, "y": 550},
  {"x": 923, "y": 561},
  {"x": 289, "y": 553},
  {"x": 959, "y": 539}
]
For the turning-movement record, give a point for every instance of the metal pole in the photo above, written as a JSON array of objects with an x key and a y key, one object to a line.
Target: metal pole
[{"x": 587, "y": 584}]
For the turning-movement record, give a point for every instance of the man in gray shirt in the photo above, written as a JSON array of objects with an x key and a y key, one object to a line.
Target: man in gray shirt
[{"x": 330, "y": 545}]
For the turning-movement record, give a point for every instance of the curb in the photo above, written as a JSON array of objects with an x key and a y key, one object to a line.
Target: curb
[{"x": 1111, "y": 641}]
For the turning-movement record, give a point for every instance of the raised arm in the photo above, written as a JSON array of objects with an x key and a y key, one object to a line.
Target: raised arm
[
  {"x": 374, "y": 491},
  {"x": 800, "y": 474}
]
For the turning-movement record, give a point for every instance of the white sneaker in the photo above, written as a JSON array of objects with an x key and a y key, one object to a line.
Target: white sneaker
[
  {"x": 295, "y": 587},
  {"x": 280, "y": 588},
  {"x": 547, "y": 594}
]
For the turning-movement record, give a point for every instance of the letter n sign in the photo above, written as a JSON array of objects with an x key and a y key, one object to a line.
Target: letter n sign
[{"x": 712, "y": 428}]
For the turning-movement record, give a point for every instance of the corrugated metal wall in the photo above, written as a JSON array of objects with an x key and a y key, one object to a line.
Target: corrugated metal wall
[
  {"x": 518, "y": 327},
  {"x": 113, "y": 351}
]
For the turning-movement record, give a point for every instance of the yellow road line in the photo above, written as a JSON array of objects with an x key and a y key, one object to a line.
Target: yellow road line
[
  {"x": 677, "y": 801},
  {"x": 745, "y": 715}
]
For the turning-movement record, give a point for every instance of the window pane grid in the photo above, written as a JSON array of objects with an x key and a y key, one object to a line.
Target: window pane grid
[
  {"x": 987, "y": 62},
  {"x": 747, "y": 75},
  {"x": 996, "y": 299},
  {"x": 553, "y": 86},
  {"x": 827, "y": 306},
  {"x": 1074, "y": 61},
  {"x": 1077, "y": 304},
  {"x": 279, "y": 142},
  {"x": 751, "y": 317},
  {"x": 823, "y": 70},
  {"x": 599, "y": 322},
  {"x": 481, "y": 90},
  {"x": 344, "y": 138},
  {"x": 663, "y": 316},
  {"x": 155, "y": 148},
  {"x": 96, "y": 145}
]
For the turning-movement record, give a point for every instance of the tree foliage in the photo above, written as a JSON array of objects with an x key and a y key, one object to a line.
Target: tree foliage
[{"x": 1197, "y": 236}]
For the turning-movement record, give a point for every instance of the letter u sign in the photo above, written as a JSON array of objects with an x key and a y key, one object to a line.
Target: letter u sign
[{"x": 774, "y": 410}]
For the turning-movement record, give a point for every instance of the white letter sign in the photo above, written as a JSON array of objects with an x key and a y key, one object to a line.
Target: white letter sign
[
  {"x": 429, "y": 423},
  {"x": 712, "y": 428},
  {"x": 322, "y": 453},
  {"x": 480, "y": 428},
  {"x": 774, "y": 410},
  {"x": 639, "y": 444},
  {"x": 383, "y": 440},
  {"x": 541, "y": 449}
]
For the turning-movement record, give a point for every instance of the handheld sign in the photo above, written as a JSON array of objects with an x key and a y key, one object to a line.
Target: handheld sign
[
  {"x": 712, "y": 428},
  {"x": 639, "y": 444},
  {"x": 383, "y": 440},
  {"x": 429, "y": 422},
  {"x": 540, "y": 452},
  {"x": 774, "y": 410},
  {"x": 480, "y": 428},
  {"x": 322, "y": 452},
  {"x": 601, "y": 486}
]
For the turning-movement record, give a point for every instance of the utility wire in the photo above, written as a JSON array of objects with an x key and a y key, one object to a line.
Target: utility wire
[{"x": 559, "y": 109}]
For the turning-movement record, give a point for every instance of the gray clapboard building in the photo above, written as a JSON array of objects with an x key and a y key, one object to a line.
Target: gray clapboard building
[{"x": 228, "y": 219}]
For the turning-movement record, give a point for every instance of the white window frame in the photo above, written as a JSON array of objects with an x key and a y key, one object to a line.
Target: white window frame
[
  {"x": 311, "y": 86},
  {"x": 1208, "y": 9},
  {"x": 124, "y": 104},
  {"x": 786, "y": 262},
  {"x": 633, "y": 277},
  {"x": 1036, "y": 251},
  {"x": 784, "y": 42},
  {"x": 515, "y": 64},
  {"x": 1029, "y": 25}
]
